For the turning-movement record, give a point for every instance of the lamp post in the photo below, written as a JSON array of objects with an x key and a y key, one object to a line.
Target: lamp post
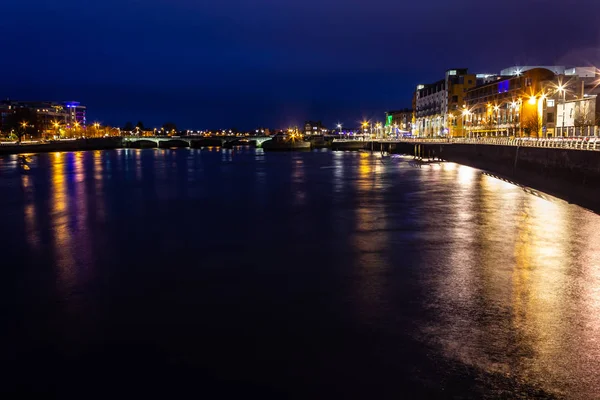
[
  {"x": 56, "y": 126},
  {"x": 24, "y": 126},
  {"x": 562, "y": 89},
  {"x": 465, "y": 113},
  {"x": 497, "y": 109},
  {"x": 339, "y": 126}
]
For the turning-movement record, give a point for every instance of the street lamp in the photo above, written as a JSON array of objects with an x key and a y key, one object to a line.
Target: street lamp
[
  {"x": 497, "y": 109},
  {"x": 24, "y": 126},
  {"x": 562, "y": 88},
  {"x": 365, "y": 125},
  {"x": 465, "y": 113}
]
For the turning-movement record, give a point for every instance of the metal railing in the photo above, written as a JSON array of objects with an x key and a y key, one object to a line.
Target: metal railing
[{"x": 576, "y": 143}]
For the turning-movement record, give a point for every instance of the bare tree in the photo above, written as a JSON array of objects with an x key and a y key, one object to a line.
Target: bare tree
[
  {"x": 532, "y": 124},
  {"x": 583, "y": 116}
]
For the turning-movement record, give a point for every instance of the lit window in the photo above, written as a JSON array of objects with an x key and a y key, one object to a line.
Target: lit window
[{"x": 550, "y": 102}]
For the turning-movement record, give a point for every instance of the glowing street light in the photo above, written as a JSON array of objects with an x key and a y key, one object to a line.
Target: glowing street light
[
  {"x": 465, "y": 114},
  {"x": 497, "y": 109},
  {"x": 562, "y": 88}
]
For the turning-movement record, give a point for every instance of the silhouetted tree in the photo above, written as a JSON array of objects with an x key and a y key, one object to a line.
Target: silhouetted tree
[
  {"x": 22, "y": 116},
  {"x": 532, "y": 124},
  {"x": 140, "y": 125},
  {"x": 128, "y": 126},
  {"x": 169, "y": 127},
  {"x": 584, "y": 116}
]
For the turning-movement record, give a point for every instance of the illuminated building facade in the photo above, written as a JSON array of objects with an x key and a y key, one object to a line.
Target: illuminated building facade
[
  {"x": 438, "y": 105},
  {"x": 42, "y": 116},
  {"x": 314, "y": 128},
  {"x": 532, "y": 102},
  {"x": 399, "y": 121}
]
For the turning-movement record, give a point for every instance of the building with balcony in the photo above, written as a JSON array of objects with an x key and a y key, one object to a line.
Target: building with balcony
[{"x": 438, "y": 104}]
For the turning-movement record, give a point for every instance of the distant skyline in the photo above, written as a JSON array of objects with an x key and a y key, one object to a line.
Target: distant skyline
[{"x": 241, "y": 63}]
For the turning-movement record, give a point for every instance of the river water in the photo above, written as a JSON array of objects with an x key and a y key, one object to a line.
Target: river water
[{"x": 239, "y": 273}]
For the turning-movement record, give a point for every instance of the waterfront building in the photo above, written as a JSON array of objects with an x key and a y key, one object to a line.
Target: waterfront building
[
  {"x": 44, "y": 117},
  {"x": 533, "y": 102},
  {"x": 5, "y": 113},
  {"x": 399, "y": 121},
  {"x": 438, "y": 105},
  {"x": 314, "y": 128}
]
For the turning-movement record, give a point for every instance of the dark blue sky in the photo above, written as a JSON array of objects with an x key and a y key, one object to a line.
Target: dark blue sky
[{"x": 245, "y": 63}]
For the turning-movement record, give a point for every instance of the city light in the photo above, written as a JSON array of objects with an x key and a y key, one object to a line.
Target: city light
[{"x": 532, "y": 100}]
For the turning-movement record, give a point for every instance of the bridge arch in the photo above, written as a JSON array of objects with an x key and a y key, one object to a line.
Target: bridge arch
[{"x": 176, "y": 142}]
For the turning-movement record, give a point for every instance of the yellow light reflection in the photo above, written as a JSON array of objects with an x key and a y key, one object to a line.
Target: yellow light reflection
[
  {"x": 371, "y": 239},
  {"x": 30, "y": 212},
  {"x": 98, "y": 166},
  {"x": 63, "y": 239},
  {"x": 298, "y": 182}
]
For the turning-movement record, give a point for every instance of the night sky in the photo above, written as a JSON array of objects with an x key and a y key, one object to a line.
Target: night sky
[{"x": 247, "y": 63}]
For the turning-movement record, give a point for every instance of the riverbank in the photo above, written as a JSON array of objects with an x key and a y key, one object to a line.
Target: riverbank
[
  {"x": 64, "y": 145},
  {"x": 568, "y": 174}
]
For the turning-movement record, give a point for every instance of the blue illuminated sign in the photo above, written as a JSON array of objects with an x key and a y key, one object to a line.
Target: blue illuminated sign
[{"x": 503, "y": 86}]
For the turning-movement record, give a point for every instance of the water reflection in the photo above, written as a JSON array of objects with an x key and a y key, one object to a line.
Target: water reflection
[
  {"x": 505, "y": 305},
  {"x": 298, "y": 181},
  {"x": 30, "y": 212},
  {"x": 97, "y": 196},
  {"x": 370, "y": 240},
  {"x": 503, "y": 282},
  {"x": 60, "y": 217}
]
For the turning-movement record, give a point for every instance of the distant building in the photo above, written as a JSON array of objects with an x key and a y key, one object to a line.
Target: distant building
[
  {"x": 438, "y": 104},
  {"x": 399, "y": 120},
  {"x": 5, "y": 113},
  {"x": 314, "y": 128},
  {"x": 520, "y": 69},
  {"x": 43, "y": 116}
]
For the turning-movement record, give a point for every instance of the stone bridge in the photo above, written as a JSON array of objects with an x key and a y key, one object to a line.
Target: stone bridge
[{"x": 190, "y": 141}]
